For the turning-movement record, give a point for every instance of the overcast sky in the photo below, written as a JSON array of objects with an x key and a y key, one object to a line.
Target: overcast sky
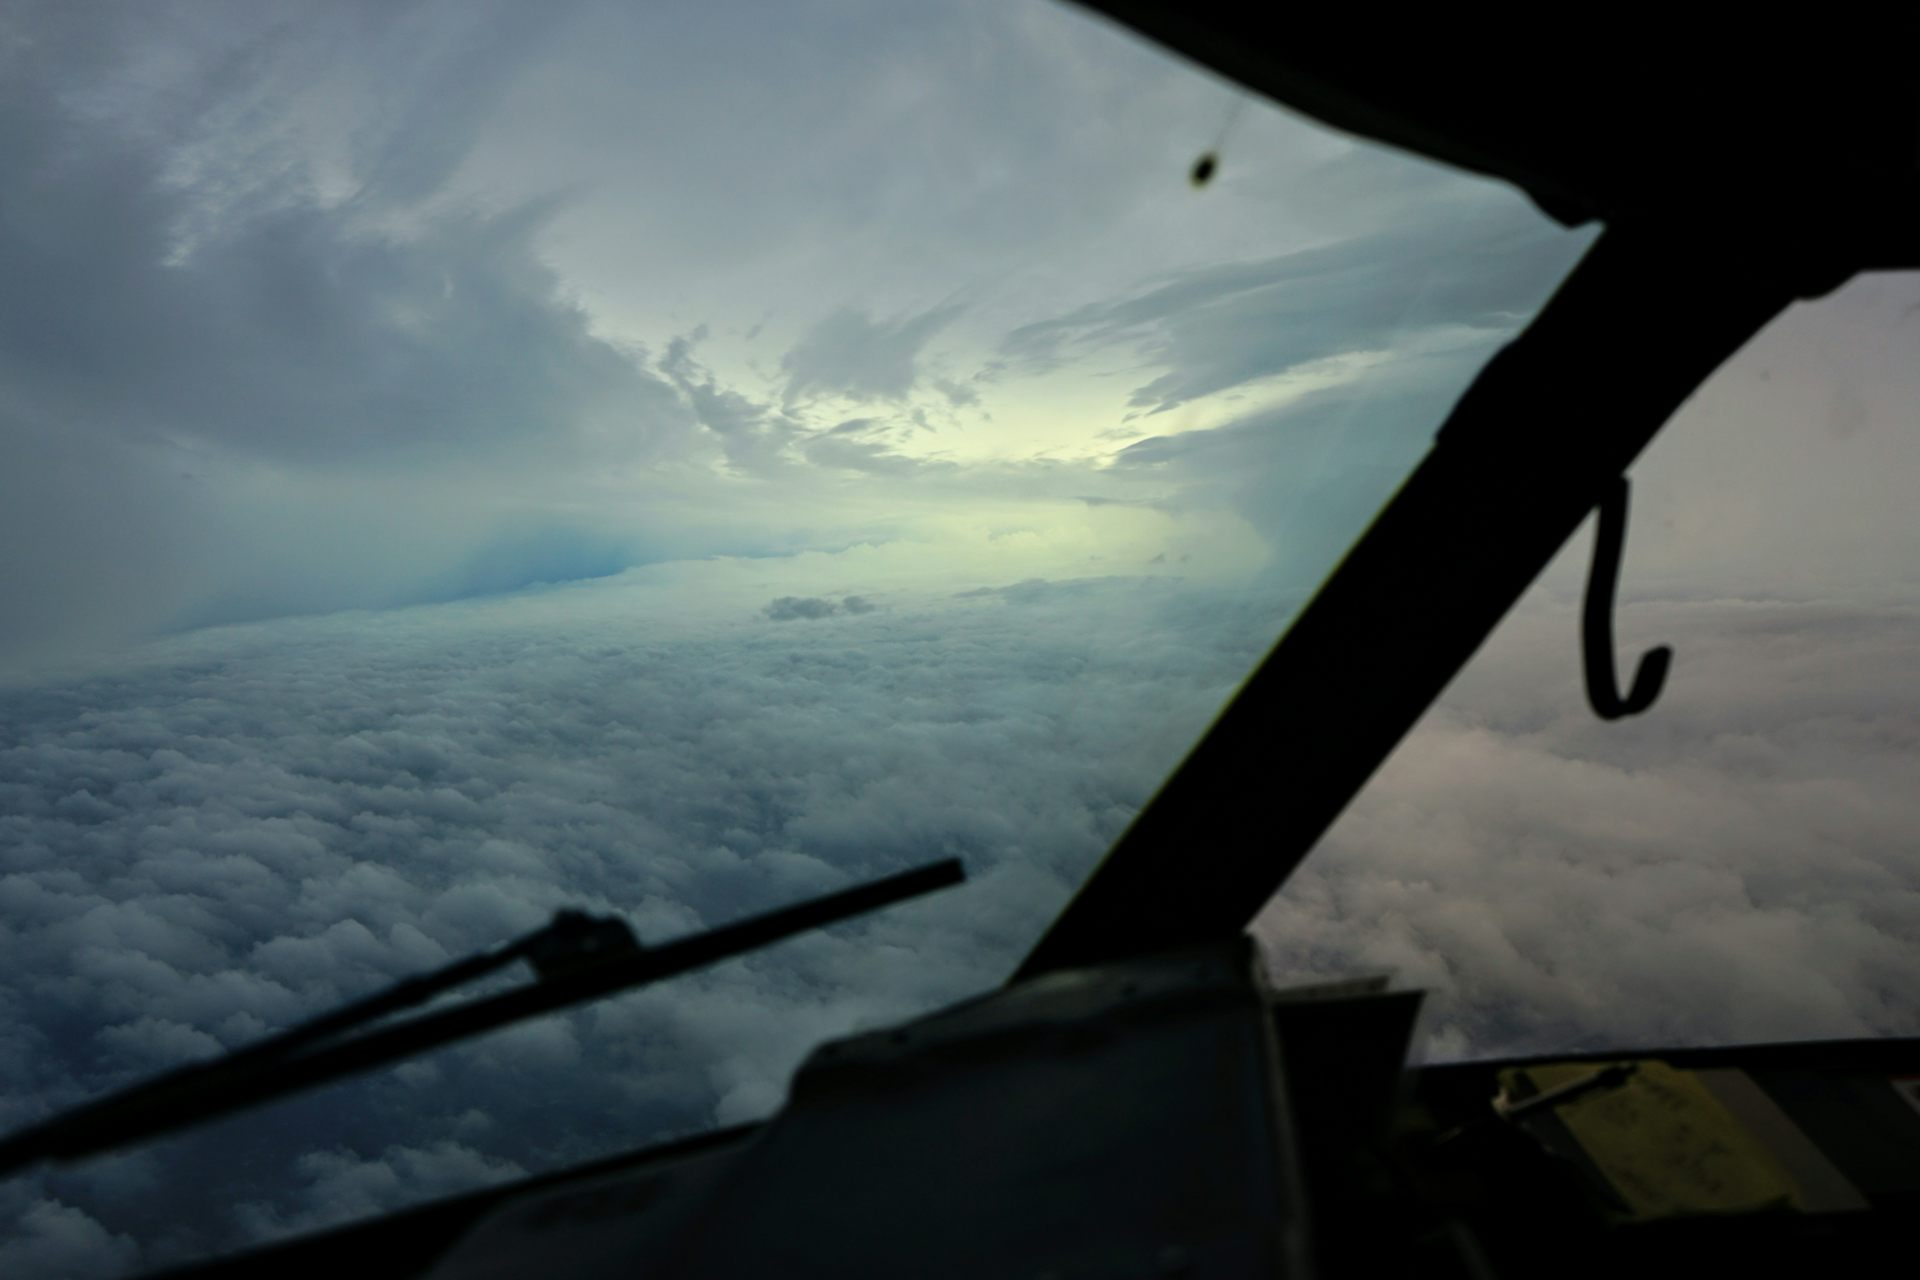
[{"x": 460, "y": 460}]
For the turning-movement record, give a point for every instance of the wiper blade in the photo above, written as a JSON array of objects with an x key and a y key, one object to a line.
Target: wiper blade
[{"x": 578, "y": 958}]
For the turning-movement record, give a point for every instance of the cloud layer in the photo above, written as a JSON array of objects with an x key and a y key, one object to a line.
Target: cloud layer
[
  {"x": 252, "y": 824},
  {"x": 256, "y": 823},
  {"x": 1742, "y": 863}
]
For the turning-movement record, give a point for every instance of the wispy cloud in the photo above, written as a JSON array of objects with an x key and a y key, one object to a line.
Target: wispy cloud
[{"x": 1478, "y": 271}]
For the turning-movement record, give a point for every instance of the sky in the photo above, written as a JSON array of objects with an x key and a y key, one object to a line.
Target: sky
[{"x": 463, "y": 460}]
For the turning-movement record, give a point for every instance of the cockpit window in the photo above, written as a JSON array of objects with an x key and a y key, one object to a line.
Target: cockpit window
[
  {"x": 459, "y": 461},
  {"x": 1737, "y": 864}
]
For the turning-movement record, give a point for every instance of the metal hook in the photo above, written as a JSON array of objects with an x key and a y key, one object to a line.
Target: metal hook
[{"x": 1597, "y": 632}]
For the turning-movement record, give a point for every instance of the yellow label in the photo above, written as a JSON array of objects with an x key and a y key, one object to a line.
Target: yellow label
[{"x": 1666, "y": 1144}]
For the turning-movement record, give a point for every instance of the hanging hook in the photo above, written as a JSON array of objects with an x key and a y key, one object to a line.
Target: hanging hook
[{"x": 1597, "y": 632}]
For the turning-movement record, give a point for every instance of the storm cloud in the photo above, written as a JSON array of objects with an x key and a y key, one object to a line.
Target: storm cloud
[
  {"x": 301, "y": 318},
  {"x": 191, "y": 356}
]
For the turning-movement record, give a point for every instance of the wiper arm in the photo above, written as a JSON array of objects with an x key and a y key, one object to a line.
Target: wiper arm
[{"x": 578, "y": 958}]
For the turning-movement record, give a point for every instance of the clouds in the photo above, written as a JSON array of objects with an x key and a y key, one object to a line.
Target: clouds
[
  {"x": 342, "y": 1187},
  {"x": 789, "y": 608},
  {"x": 893, "y": 344},
  {"x": 440, "y": 80},
  {"x": 185, "y": 369},
  {"x": 1297, "y": 391},
  {"x": 861, "y": 357},
  {"x": 398, "y": 304},
  {"x": 754, "y": 435},
  {"x": 1218, "y": 328},
  {"x": 298, "y": 332},
  {"x": 253, "y": 824},
  {"x": 55, "y": 1239},
  {"x": 1738, "y": 864}
]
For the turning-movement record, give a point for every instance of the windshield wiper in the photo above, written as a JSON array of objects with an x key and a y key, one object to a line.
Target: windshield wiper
[{"x": 576, "y": 958}]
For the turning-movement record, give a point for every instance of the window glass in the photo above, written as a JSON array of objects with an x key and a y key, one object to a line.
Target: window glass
[
  {"x": 1740, "y": 863},
  {"x": 462, "y": 460}
]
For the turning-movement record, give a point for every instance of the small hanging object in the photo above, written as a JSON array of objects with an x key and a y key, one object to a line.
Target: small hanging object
[
  {"x": 1597, "y": 631},
  {"x": 1209, "y": 162}
]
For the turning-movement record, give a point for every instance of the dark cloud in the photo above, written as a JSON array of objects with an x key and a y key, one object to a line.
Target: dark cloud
[
  {"x": 49, "y": 1238},
  {"x": 789, "y": 608},
  {"x": 298, "y": 334},
  {"x": 340, "y": 1186},
  {"x": 190, "y": 355},
  {"x": 854, "y": 354}
]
